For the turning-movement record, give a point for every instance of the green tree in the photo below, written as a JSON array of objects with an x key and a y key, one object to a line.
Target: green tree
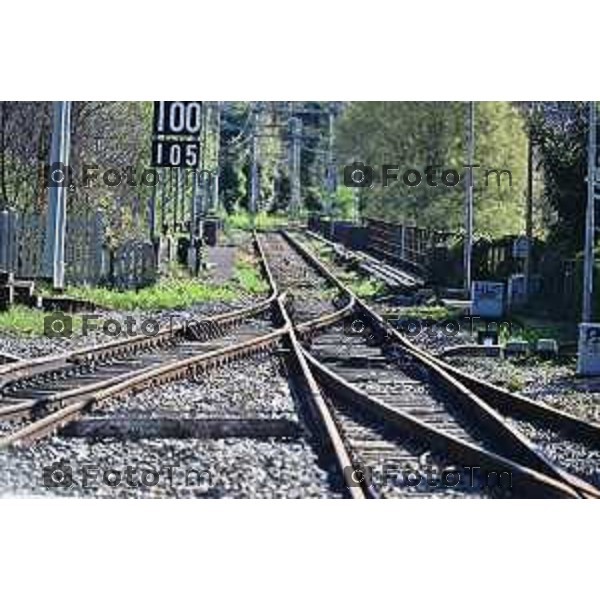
[{"x": 416, "y": 134}]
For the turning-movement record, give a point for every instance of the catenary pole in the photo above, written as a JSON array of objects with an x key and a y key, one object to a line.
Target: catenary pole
[
  {"x": 588, "y": 261},
  {"x": 296, "y": 126},
  {"x": 468, "y": 206},
  {"x": 254, "y": 169},
  {"x": 54, "y": 257},
  {"x": 331, "y": 173}
]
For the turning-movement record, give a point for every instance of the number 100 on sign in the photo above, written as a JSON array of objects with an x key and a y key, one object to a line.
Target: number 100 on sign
[
  {"x": 177, "y": 118},
  {"x": 175, "y": 153}
]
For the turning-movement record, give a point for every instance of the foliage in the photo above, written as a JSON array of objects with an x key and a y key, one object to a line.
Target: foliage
[
  {"x": 238, "y": 122},
  {"x": 560, "y": 132},
  {"x": 343, "y": 203},
  {"x": 416, "y": 134},
  {"x": 366, "y": 287}
]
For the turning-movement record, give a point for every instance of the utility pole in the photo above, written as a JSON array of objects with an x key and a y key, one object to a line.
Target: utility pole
[
  {"x": 174, "y": 197},
  {"x": 164, "y": 202},
  {"x": 204, "y": 201},
  {"x": 192, "y": 248},
  {"x": 588, "y": 264},
  {"x": 468, "y": 208},
  {"x": 254, "y": 168},
  {"x": 588, "y": 358},
  {"x": 529, "y": 213},
  {"x": 181, "y": 187},
  {"x": 217, "y": 159},
  {"x": 54, "y": 251},
  {"x": 296, "y": 127},
  {"x": 331, "y": 183}
]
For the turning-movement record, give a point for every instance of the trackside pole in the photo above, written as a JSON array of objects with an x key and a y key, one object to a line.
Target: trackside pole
[
  {"x": 588, "y": 358},
  {"x": 468, "y": 207},
  {"x": 57, "y": 179}
]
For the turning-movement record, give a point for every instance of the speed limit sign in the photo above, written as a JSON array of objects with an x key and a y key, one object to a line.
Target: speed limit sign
[
  {"x": 177, "y": 128},
  {"x": 177, "y": 118},
  {"x": 175, "y": 153}
]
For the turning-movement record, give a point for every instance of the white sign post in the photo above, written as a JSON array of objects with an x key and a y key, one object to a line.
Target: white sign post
[
  {"x": 588, "y": 359},
  {"x": 487, "y": 299}
]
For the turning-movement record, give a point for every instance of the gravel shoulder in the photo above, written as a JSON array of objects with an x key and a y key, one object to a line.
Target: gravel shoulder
[
  {"x": 543, "y": 381},
  {"x": 236, "y": 467}
]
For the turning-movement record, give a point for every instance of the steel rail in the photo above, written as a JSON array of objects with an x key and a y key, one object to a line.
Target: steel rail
[
  {"x": 322, "y": 416},
  {"x": 84, "y": 398},
  {"x": 501, "y": 398},
  {"x": 517, "y": 447},
  {"x": 67, "y": 399},
  {"x": 77, "y": 401},
  {"x": 528, "y": 479}
]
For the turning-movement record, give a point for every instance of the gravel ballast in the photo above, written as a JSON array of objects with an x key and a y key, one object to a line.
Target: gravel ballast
[{"x": 168, "y": 468}]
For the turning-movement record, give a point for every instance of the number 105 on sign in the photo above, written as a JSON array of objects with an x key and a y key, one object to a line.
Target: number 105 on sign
[{"x": 175, "y": 154}]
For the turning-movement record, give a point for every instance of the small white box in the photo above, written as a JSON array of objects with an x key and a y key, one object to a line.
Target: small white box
[
  {"x": 487, "y": 299},
  {"x": 588, "y": 355}
]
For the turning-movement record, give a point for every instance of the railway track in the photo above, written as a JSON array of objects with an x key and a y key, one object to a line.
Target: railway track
[
  {"x": 391, "y": 373},
  {"x": 375, "y": 412},
  {"x": 93, "y": 395},
  {"x": 391, "y": 276},
  {"x": 311, "y": 297},
  {"x": 34, "y": 388}
]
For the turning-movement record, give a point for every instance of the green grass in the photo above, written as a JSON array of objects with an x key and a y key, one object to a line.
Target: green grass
[
  {"x": 175, "y": 291},
  {"x": 366, "y": 288},
  {"x": 515, "y": 383},
  {"x": 534, "y": 329},
  {"x": 263, "y": 220},
  {"x": 248, "y": 276},
  {"x": 22, "y": 320},
  {"x": 178, "y": 290},
  {"x": 169, "y": 293}
]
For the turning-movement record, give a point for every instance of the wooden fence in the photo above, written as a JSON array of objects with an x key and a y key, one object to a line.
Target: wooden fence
[{"x": 88, "y": 259}]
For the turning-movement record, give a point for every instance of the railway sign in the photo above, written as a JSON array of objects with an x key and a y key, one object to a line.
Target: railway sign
[
  {"x": 177, "y": 118},
  {"x": 175, "y": 153},
  {"x": 487, "y": 299},
  {"x": 177, "y": 128},
  {"x": 588, "y": 359}
]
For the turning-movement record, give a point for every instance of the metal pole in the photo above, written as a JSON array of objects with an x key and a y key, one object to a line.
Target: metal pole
[
  {"x": 331, "y": 174},
  {"x": 174, "y": 195},
  {"x": 202, "y": 188},
  {"x": 468, "y": 208},
  {"x": 217, "y": 160},
  {"x": 54, "y": 257},
  {"x": 588, "y": 264},
  {"x": 193, "y": 207},
  {"x": 296, "y": 126},
  {"x": 163, "y": 203},
  {"x": 254, "y": 171},
  {"x": 182, "y": 192},
  {"x": 152, "y": 220},
  {"x": 529, "y": 213}
]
